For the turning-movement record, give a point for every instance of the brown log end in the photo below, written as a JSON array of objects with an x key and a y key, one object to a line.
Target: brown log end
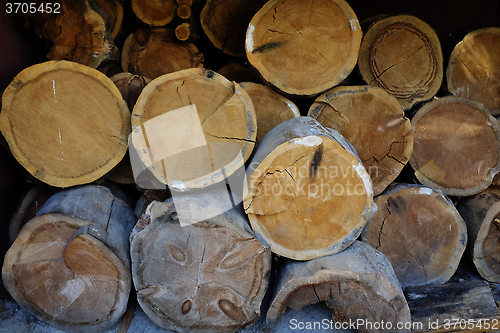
[
  {"x": 76, "y": 128},
  {"x": 472, "y": 68},
  {"x": 455, "y": 146},
  {"x": 374, "y": 123},
  {"x": 402, "y": 54},
  {"x": 314, "y": 54},
  {"x": 154, "y": 13}
]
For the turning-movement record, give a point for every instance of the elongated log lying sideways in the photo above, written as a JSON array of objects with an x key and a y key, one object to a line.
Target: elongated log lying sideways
[
  {"x": 419, "y": 231},
  {"x": 208, "y": 276},
  {"x": 374, "y": 123},
  {"x": 70, "y": 265},
  {"x": 56, "y": 132},
  {"x": 456, "y": 146},
  {"x": 358, "y": 282},
  {"x": 309, "y": 194},
  {"x": 402, "y": 54}
]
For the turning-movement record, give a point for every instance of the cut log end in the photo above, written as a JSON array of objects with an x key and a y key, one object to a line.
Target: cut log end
[
  {"x": 307, "y": 57},
  {"x": 402, "y": 54},
  {"x": 154, "y": 13},
  {"x": 420, "y": 232},
  {"x": 78, "y": 147},
  {"x": 462, "y": 157},
  {"x": 46, "y": 263}
]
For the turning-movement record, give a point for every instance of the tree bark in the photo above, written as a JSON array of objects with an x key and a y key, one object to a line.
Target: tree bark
[
  {"x": 154, "y": 13},
  {"x": 357, "y": 283},
  {"x": 209, "y": 276},
  {"x": 421, "y": 233},
  {"x": 225, "y": 23},
  {"x": 209, "y": 134},
  {"x": 374, "y": 123},
  {"x": 154, "y": 52},
  {"x": 455, "y": 146},
  {"x": 309, "y": 194},
  {"x": 481, "y": 213},
  {"x": 65, "y": 123},
  {"x": 472, "y": 67},
  {"x": 402, "y": 54},
  {"x": 271, "y": 108},
  {"x": 70, "y": 265},
  {"x": 77, "y": 31},
  {"x": 304, "y": 49}
]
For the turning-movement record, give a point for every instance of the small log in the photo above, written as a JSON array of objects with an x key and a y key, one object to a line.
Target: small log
[
  {"x": 357, "y": 284},
  {"x": 402, "y": 54},
  {"x": 208, "y": 128},
  {"x": 155, "y": 52},
  {"x": 226, "y": 22},
  {"x": 187, "y": 31},
  {"x": 114, "y": 15},
  {"x": 205, "y": 277},
  {"x": 481, "y": 212},
  {"x": 65, "y": 123},
  {"x": 154, "y": 13},
  {"x": 455, "y": 146},
  {"x": 304, "y": 49},
  {"x": 472, "y": 67},
  {"x": 454, "y": 307},
  {"x": 130, "y": 86},
  {"x": 308, "y": 194},
  {"x": 77, "y": 31},
  {"x": 271, "y": 108},
  {"x": 27, "y": 209},
  {"x": 184, "y": 12},
  {"x": 420, "y": 232},
  {"x": 374, "y": 123},
  {"x": 70, "y": 266}
]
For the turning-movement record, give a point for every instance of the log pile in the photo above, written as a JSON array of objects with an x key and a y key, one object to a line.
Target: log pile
[{"x": 288, "y": 154}]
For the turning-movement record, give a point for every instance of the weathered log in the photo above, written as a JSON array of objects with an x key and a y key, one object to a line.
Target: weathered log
[
  {"x": 193, "y": 128},
  {"x": 153, "y": 52},
  {"x": 309, "y": 194},
  {"x": 420, "y": 231},
  {"x": 304, "y": 49},
  {"x": 453, "y": 307},
  {"x": 358, "y": 284},
  {"x": 77, "y": 31},
  {"x": 70, "y": 265},
  {"x": 225, "y": 23},
  {"x": 472, "y": 68},
  {"x": 374, "y": 123},
  {"x": 481, "y": 213},
  {"x": 27, "y": 209},
  {"x": 130, "y": 86},
  {"x": 154, "y": 13},
  {"x": 65, "y": 123},
  {"x": 271, "y": 108},
  {"x": 209, "y": 276},
  {"x": 455, "y": 146},
  {"x": 402, "y": 54},
  {"x": 187, "y": 31}
]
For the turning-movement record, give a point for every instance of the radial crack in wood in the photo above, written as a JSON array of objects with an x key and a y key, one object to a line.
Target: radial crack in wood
[{"x": 420, "y": 232}]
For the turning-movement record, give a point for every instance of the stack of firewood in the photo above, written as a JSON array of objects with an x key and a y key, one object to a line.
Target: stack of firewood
[{"x": 364, "y": 190}]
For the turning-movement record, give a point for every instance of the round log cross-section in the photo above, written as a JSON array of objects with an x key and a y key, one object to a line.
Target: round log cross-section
[
  {"x": 309, "y": 194},
  {"x": 455, "y": 146},
  {"x": 421, "y": 233},
  {"x": 402, "y": 54},
  {"x": 473, "y": 68},
  {"x": 66, "y": 123},
  {"x": 304, "y": 48},
  {"x": 374, "y": 123}
]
